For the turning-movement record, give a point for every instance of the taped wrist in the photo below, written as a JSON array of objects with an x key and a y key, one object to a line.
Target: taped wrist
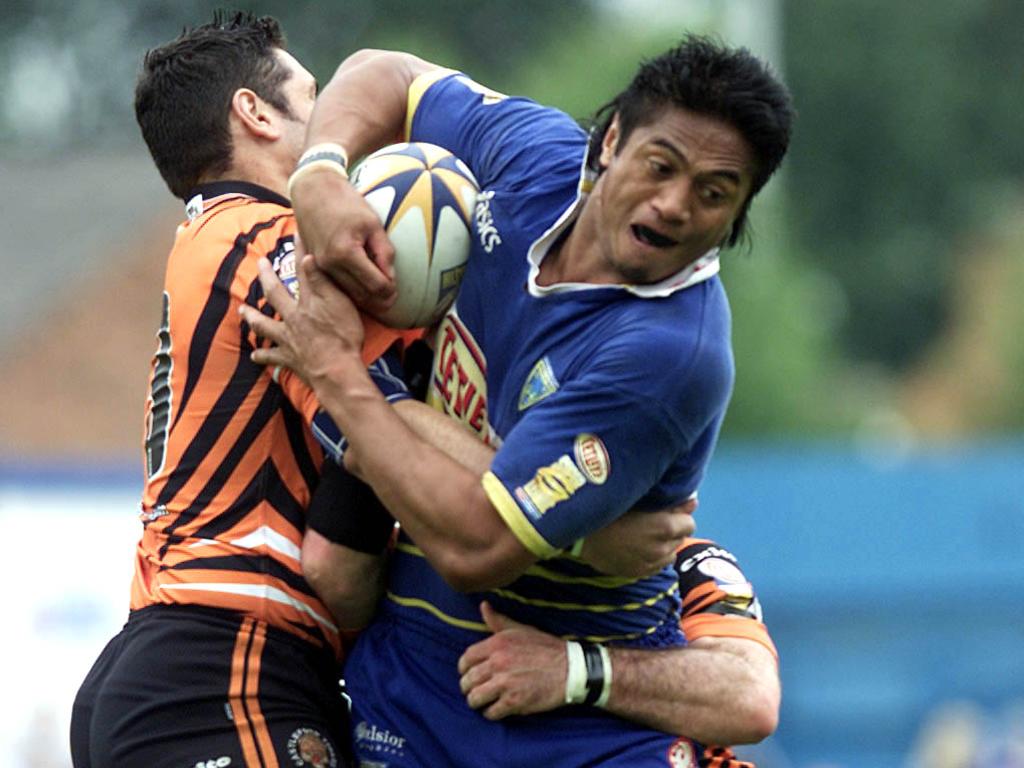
[
  {"x": 321, "y": 157},
  {"x": 346, "y": 511},
  {"x": 589, "y": 674}
]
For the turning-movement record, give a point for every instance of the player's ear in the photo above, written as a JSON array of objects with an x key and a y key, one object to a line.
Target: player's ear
[
  {"x": 609, "y": 143},
  {"x": 254, "y": 114}
]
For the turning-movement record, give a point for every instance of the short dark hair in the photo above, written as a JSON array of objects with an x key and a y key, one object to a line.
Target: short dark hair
[
  {"x": 184, "y": 92},
  {"x": 705, "y": 77}
]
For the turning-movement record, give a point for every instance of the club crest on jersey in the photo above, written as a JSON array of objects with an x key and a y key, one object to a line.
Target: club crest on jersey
[
  {"x": 592, "y": 458},
  {"x": 681, "y": 755},
  {"x": 283, "y": 262},
  {"x": 458, "y": 381},
  {"x": 307, "y": 747},
  {"x": 540, "y": 383}
]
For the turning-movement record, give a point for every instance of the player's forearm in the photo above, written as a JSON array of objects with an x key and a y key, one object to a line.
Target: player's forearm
[
  {"x": 447, "y": 435},
  {"x": 363, "y": 106},
  {"x": 717, "y": 690},
  {"x": 440, "y": 503}
]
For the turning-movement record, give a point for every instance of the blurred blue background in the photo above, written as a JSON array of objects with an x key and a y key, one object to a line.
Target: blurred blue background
[{"x": 870, "y": 475}]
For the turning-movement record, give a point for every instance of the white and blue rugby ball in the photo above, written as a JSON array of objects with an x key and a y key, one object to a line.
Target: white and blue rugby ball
[{"x": 425, "y": 198}]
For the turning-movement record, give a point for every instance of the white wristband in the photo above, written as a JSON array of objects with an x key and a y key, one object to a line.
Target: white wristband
[
  {"x": 606, "y": 690},
  {"x": 320, "y": 157},
  {"x": 576, "y": 674},
  {"x": 325, "y": 151}
]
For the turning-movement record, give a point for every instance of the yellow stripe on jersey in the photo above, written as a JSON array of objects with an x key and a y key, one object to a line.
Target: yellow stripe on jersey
[
  {"x": 602, "y": 582},
  {"x": 410, "y": 549},
  {"x": 415, "y": 602},
  {"x": 613, "y": 638},
  {"x": 433, "y": 610},
  {"x": 514, "y": 517},
  {"x": 598, "y": 608},
  {"x": 537, "y": 571},
  {"x": 417, "y": 89}
]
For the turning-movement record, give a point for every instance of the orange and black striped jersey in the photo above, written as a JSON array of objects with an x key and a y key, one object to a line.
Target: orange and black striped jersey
[
  {"x": 718, "y": 601},
  {"x": 229, "y": 457}
]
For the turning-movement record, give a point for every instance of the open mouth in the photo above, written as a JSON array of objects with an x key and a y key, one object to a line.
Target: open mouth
[{"x": 648, "y": 236}]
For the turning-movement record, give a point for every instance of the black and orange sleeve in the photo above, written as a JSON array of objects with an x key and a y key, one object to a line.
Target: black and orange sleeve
[{"x": 718, "y": 600}]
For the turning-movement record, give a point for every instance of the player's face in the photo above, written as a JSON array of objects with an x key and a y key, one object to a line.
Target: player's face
[
  {"x": 670, "y": 193},
  {"x": 299, "y": 89}
]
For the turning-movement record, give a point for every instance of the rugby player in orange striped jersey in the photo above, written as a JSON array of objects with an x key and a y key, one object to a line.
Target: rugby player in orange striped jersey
[{"x": 228, "y": 656}]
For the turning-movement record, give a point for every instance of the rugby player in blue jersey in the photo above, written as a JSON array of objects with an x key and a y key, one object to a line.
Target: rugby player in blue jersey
[{"x": 594, "y": 331}]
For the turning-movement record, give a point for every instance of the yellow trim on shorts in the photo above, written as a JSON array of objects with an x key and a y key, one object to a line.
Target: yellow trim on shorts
[
  {"x": 419, "y": 87},
  {"x": 514, "y": 517}
]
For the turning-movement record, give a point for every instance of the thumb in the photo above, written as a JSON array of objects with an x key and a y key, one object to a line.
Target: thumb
[
  {"x": 495, "y": 621},
  {"x": 311, "y": 276},
  {"x": 383, "y": 253}
]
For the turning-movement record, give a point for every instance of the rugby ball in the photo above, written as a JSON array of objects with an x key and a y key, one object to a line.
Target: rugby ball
[{"x": 425, "y": 198}]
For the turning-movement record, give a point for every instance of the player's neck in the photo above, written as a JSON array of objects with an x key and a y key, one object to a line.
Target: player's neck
[
  {"x": 260, "y": 168},
  {"x": 576, "y": 257}
]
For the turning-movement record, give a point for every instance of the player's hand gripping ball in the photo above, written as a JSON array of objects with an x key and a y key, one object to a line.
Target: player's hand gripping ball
[{"x": 425, "y": 197}]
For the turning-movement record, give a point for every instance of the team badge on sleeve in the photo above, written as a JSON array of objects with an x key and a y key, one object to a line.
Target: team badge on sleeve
[
  {"x": 540, "y": 383},
  {"x": 592, "y": 458},
  {"x": 552, "y": 484}
]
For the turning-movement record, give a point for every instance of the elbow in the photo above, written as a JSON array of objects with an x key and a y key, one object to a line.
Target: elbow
[
  {"x": 471, "y": 572},
  {"x": 484, "y": 556},
  {"x": 349, "y": 587},
  {"x": 757, "y": 716},
  {"x": 761, "y": 724},
  {"x": 377, "y": 58},
  {"x": 360, "y": 57},
  {"x": 483, "y": 566}
]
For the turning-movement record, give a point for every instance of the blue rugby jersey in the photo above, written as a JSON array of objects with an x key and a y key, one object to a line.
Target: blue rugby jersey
[{"x": 601, "y": 399}]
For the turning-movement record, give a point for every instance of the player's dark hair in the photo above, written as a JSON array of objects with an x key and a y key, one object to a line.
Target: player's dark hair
[
  {"x": 184, "y": 92},
  {"x": 705, "y": 77}
]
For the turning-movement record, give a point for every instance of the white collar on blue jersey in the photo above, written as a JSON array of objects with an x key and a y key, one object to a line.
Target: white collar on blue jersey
[{"x": 698, "y": 271}]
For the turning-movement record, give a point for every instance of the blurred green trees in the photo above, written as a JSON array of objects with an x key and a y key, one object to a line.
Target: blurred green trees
[
  {"x": 911, "y": 134},
  {"x": 904, "y": 178}
]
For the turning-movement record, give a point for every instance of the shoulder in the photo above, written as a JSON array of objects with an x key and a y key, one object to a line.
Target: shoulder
[
  {"x": 679, "y": 345},
  {"x": 227, "y": 240},
  {"x": 509, "y": 142},
  {"x": 239, "y": 222}
]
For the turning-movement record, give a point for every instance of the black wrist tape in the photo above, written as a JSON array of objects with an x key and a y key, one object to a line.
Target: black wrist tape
[{"x": 595, "y": 672}]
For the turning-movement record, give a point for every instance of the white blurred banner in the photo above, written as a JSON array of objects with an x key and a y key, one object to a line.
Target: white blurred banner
[{"x": 64, "y": 582}]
